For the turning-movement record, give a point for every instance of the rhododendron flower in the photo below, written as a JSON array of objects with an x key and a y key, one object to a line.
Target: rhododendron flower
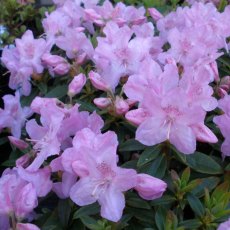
[
  {"x": 118, "y": 55},
  {"x": 73, "y": 49},
  {"x": 13, "y": 116},
  {"x": 223, "y": 123},
  {"x": 93, "y": 158},
  {"x": 165, "y": 112},
  {"x": 19, "y": 190}
]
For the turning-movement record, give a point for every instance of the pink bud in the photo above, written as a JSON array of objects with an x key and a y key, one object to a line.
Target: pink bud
[
  {"x": 149, "y": 187},
  {"x": 52, "y": 60},
  {"x": 155, "y": 14},
  {"x": 61, "y": 69},
  {"x": 214, "y": 68},
  {"x": 136, "y": 116},
  {"x": 97, "y": 81},
  {"x": 221, "y": 92},
  {"x": 131, "y": 102},
  {"x": 23, "y": 161},
  {"x": 76, "y": 85},
  {"x": 204, "y": 134},
  {"x": 18, "y": 143},
  {"x": 91, "y": 14},
  {"x": 81, "y": 58},
  {"x": 225, "y": 81},
  {"x": 102, "y": 102},
  {"x": 21, "y": 226},
  {"x": 121, "y": 106}
]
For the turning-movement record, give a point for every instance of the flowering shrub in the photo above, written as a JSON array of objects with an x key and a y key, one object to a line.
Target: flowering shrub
[{"x": 120, "y": 118}]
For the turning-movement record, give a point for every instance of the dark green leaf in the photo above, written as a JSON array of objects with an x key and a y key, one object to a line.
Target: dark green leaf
[
  {"x": 64, "y": 211},
  {"x": 160, "y": 218},
  {"x": 203, "y": 163},
  {"x": 195, "y": 204},
  {"x": 149, "y": 154},
  {"x": 58, "y": 92},
  {"x": 131, "y": 145},
  {"x": 209, "y": 183},
  {"x": 91, "y": 209},
  {"x": 191, "y": 224}
]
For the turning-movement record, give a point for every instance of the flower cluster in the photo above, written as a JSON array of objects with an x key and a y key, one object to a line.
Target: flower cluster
[{"x": 157, "y": 73}]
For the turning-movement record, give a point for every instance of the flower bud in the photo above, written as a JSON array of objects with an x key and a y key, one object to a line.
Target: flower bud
[
  {"x": 121, "y": 106},
  {"x": 52, "y": 60},
  {"x": 21, "y": 226},
  {"x": 62, "y": 69},
  {"x": 155, "y": 14},
  {"x": 76, "y": 85},
  {"x": 102, "y": 102},
  {"x": 23, "y": 161},
  {"x": 97, "y": 81},
  {"x": 214, "y": 68},
  {"x": 18, "y": 143},
  {"x": 149, "y": 187}
]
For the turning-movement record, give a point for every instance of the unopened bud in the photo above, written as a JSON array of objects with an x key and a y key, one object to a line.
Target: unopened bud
[
  {"x": 102, "y": 102},
  {"x": 61, "y": 69},
  {"x": 76, "y": 85},
  {"x": 121, "y": 106},
  {"x": 97, "y": 81},
  {"x": 155, "y": 14}
]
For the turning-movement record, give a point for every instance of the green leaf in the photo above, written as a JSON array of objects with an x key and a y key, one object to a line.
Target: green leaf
[
  {"x": 64, "y": 211},
  {"x": 3, "y": 140},
  {"x": 137, "y": 202},
  {"x": 191, "y": 224},
  {"x": 203, "y": 163},
  {"x": 195, "y": 204},
  {"x": 160, "y": 218},
  {"x": 227, "y": 168},
  {"x": 185, "y": 176},
  {"x": 149, "y": 154},
  {"x": 143, "y": 215},
  {"x": 164, "y": 200},
  {"x": 156, "y": 168},
  {"x": 131, "y": 145},
  {"x": 91, "y": 209},
  {"x": 89, "y": 222},
  {"x": 58, "y": 92},
  {"x": 210, "y": 183}
]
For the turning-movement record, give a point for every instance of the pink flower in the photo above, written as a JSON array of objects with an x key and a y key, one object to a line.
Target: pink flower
[
  {"x": 223, "y": 123},
  {"x": 166, "y": 111},
  {"x": 149, "y": 187},
  {"x": 31, "y": 50},
  {"x": 73, "y": 49},
  {"x": 76, "y": 85},
  {"x": 13, "y": 116},
  {"x": 100, "y": 178},
  {"x": 19, "y": 190}
]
